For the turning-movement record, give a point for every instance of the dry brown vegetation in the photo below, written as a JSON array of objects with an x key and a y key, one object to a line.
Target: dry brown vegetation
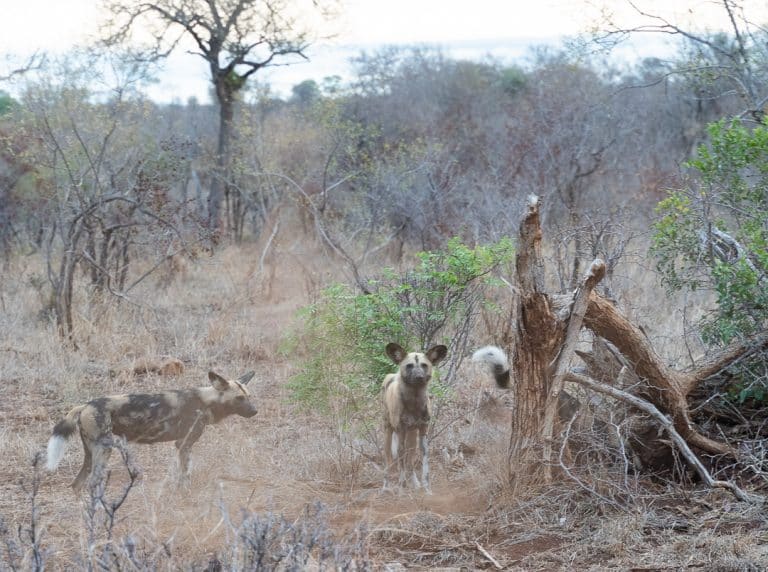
[
  {"x": 140, "y": 249},
  {"x": 228, "y": 314}
]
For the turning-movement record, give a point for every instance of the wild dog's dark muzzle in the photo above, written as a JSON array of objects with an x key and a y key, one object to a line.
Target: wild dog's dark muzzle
[
  {"x": 415, "y": 375},
  {"x": 247, "y": 410}
]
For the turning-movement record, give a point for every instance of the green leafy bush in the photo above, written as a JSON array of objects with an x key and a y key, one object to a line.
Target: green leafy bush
[
  {"x": 713, "y": 235},
  {"x": 344, "y": 333}
]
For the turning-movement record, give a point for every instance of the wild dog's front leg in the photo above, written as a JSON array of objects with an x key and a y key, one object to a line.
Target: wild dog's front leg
[
  {"x": 423, "y": 447},
  {"x": 402, "y": 457},
  {"x": 387, "y": 455},
  {"x": 185, "y": 445},
  {"x": 410, "y": 463}
]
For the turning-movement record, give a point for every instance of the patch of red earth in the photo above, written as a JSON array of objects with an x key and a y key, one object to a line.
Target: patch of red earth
[{"x": 512, "y": 553}]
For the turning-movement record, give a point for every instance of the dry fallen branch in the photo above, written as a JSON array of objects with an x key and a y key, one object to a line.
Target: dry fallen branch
[
  {"x": 490, "y": 558},
  {"x": 669, "y": 426},
  {"x": 594, "y": 275},
  {"x": 666, "y": 387}
]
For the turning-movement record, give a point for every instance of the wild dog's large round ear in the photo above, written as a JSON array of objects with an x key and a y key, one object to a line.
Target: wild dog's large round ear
[
  {"x": 395, "y": 352},
  {"x": 437, "y": 353},
  {"x": 217, "y": 381},
  {"x": 245, "y": 378}
]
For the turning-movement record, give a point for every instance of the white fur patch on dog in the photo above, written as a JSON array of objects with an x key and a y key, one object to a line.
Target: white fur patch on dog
[{"x": 56, "y": 446}]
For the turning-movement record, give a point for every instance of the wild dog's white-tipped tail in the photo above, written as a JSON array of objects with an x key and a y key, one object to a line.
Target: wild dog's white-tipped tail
[
  {"x": 62, "y": 431},
  {"x": 56, "y": 446},
  {"x": 491, "y": 355},
  {"x": 497, "y": 359}
]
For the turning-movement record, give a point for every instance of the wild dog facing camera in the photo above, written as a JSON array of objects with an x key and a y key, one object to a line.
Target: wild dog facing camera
[
  {"x": 407, "y": 412},
  {"x": 416, "y": 367}
]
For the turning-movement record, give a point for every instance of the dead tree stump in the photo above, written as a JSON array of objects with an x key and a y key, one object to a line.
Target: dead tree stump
[{"x": 545, "y": 335}]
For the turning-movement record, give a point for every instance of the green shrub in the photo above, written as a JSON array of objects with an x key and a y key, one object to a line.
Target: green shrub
[
  {"x": 344, "y": 333},
  {"x": 713, "y": 235}
]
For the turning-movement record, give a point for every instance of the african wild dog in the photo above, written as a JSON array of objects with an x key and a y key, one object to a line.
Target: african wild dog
[
  {"x": 567, "y": 407},
  {"x": 407, "y": 411},
  {"x": 178, "y": 415}
]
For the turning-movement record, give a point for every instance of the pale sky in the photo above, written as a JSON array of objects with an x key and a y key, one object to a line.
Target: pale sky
[{"x": 462, "y": 28}]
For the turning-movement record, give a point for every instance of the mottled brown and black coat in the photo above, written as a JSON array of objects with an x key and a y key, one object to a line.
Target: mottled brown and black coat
[{"x": 176, "y": 415}]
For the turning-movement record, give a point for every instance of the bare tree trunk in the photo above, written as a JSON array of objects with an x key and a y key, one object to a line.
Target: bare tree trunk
[
  {"x": 538, "y": 336},
  {"x": 594, "y": 276},
  {"x": 64, "y": 286},
  {"x": 223, "y": 156}
]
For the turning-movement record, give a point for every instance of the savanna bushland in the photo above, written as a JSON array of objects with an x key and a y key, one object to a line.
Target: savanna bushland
[{"x": 602, "y": 221}]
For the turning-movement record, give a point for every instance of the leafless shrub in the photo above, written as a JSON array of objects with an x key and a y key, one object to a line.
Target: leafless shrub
[
  {"x": 12, "y": 554},
  {"x": 28, "y": 552},
  {"x": 598, "y": 463},
  {"x": 608, "y": 236},
  {"x": 257, "y": 542},
  {"x": 103, "y": 553},
  {"x": 105, "y": 192},
  {"x": 270, "y": 542}
]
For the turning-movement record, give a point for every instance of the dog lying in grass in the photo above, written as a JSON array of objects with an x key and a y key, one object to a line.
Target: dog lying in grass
[
  {"x": 407, "y": 412},
  {"x": 177, "y": 415}
]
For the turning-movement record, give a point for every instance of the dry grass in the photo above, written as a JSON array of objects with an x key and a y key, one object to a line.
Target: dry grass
[{"x": 228, "y": 315}]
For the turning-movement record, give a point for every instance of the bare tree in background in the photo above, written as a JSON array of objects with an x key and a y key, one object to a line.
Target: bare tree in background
[
  {"x": 13, "y": 70},
  {"x": 104, "y": 180},
  {"x": 572, "y": 127},
  {"x": 236, "y": 38},
  {"x": 719, "y": 65}
]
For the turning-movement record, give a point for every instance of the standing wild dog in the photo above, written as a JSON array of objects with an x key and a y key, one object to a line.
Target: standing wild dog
[
  {"x": 407, "y": 411},
  {"x": 178, "y": 415}
]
